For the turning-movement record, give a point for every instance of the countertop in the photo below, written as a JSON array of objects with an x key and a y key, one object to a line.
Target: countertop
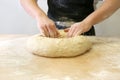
[
  {"x": 102, "y": 62},
  {"x": 11, "y": 36}
]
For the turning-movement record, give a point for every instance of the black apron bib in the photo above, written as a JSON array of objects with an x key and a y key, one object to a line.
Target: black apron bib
[{"x": 70, "y": 10}]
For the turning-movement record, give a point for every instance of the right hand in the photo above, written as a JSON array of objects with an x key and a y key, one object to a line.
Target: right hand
[{"x": 47, "y": 27}]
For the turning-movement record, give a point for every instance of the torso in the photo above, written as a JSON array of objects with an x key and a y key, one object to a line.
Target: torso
[
  {"x": 76, "y": 10},
  {"x": 68, "y": 11}
]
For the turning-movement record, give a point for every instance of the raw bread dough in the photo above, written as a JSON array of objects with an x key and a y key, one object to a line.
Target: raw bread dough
[{"x": 58, "y": 47}]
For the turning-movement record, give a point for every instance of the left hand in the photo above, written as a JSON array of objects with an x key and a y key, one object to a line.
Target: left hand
[{"x": 77, "y": 29}]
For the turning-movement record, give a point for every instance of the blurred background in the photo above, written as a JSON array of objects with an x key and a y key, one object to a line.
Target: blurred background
[{"x": 14, "y": 20}]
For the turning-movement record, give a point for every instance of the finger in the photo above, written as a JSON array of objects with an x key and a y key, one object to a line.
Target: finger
[
  {"x": 51, "y": 30},
  {"x": 55, "y": 31},
  {"x": 42, "y": 31},
  {"x": 71, "y": 31},
  {"x": 77, "y": 32},
  {"x": 66, "y": 30},
  {"x": 46, "y": 32}
]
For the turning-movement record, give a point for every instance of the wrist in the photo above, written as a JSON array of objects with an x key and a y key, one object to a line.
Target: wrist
[
  {"x": 87, "y": 22},
  {"x": 40, "y": 15},
  {"x": 87, "y": 26}
]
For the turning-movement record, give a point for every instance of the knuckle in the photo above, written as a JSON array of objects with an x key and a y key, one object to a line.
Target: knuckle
[
  {"x": 42, "y": 26},
  {"x": 52, "y": 25}
]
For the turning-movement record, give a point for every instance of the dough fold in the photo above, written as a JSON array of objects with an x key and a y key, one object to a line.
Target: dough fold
[{"x": 58, "y": 47}]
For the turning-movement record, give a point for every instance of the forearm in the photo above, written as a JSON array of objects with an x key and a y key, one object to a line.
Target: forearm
[
  {"x": 32, "y": 8},
  {"x": 106, "y": 10}
]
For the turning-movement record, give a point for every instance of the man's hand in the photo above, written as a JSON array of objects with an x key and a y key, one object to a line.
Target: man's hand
[
  {"x": 77, "y": 29},
  {"x": 47, "y": 27},
  {"x": 103, "y": 12}
]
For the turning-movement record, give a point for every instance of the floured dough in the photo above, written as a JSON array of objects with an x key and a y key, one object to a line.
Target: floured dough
[{"x": 58, "y": 47}]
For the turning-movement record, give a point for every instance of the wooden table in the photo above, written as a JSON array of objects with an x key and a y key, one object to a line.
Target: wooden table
[
  {"x": 102, "y": 62},
  {"x": 11, "y": 36}
]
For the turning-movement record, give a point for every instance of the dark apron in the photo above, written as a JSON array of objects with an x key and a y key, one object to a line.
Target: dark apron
[{"x": 70, "y": 10}]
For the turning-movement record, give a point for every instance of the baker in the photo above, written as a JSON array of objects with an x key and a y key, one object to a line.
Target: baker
[{"x": 75, "y": 16}]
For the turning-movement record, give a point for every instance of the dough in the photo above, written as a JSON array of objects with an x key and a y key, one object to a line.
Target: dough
[{"x": 58, "y": 47}]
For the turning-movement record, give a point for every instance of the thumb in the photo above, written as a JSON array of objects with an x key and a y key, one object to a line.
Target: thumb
[{"x": 66, "y": 30}]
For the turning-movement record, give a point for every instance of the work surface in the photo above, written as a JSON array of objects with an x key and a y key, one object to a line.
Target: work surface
[{"x": 102, "y": 62}]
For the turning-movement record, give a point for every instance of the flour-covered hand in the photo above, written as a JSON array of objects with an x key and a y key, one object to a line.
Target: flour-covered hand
[
  {"x": 78, "y": 28},
  {"x": 47, "y": 27}
]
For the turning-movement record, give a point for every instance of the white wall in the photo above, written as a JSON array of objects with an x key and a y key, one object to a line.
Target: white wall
[
  {"x": 110, "y": 26},
  {"x": 13, "y": 19}
]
